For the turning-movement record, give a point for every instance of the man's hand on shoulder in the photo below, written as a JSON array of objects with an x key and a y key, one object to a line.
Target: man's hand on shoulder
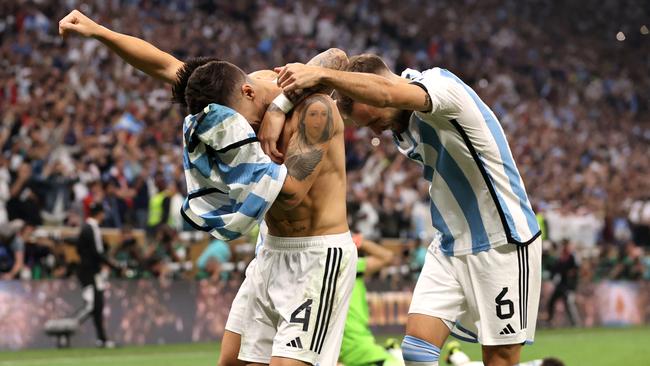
[{"x": 297, "y": 76}]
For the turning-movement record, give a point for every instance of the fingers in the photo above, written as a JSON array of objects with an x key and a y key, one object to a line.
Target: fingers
[
  {"x": 283, "y": 75},
  {"x": 271, "y": 150},
  {"x": 66, "y": 28},
  {"x": 73, "y": 22},
  {"x": 69, "y": 24},
  {"x": 275, "y": 153},
  {"x": 291, "y": 87}
]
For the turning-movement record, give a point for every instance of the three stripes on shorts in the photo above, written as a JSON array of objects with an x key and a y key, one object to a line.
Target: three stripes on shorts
[
  {"x": 327, "y": 297},
  {"x": 524, "y": 275}
]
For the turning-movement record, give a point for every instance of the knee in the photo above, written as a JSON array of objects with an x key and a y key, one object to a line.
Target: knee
[
  {"x": 501, "y": 355},
  {"x": 226, "y": 359},
  {"x": 416, "y": 350}
]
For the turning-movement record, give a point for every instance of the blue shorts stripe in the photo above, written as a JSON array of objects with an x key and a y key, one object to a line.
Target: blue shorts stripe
[{"x": 418, "y": 350}]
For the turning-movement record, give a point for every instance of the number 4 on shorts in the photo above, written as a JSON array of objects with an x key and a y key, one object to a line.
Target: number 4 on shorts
[
  {"x": 507, "y": 304},
  {"x": 304, "y": 320}
]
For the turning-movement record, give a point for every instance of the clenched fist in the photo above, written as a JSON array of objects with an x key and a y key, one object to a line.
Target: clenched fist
[{"x": 77, "y": 23}]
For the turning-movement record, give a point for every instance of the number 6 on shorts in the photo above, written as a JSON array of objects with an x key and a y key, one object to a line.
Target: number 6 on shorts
[{"x": 510, "y": 307}]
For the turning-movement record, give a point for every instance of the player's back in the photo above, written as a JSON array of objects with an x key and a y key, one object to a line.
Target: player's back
[{"x": 316, "y": 151}]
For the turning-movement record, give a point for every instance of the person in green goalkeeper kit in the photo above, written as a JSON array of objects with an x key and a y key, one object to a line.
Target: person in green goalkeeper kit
[{"x": 359, "y": 346}]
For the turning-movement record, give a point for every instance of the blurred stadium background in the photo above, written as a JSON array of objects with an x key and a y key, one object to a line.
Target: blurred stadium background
[{"x": 569, "y": 80}]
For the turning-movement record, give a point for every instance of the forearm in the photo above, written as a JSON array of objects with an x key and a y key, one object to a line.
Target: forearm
[
  {"x": 140, "y": 54},
  {"x": 362, "y": 87},
  {"x": 375, "y": 250},
  {"x": 302, "y": 171}
]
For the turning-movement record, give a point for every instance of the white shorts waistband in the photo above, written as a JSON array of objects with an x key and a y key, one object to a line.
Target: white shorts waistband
[{"x": 322, "y": 241}]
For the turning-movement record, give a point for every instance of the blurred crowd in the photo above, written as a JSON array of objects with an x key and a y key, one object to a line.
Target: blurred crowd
[{"x": 569, "y": 82}]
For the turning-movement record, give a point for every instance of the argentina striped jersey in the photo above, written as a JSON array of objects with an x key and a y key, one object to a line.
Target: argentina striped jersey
[
  {"x": 478, "y": 199},
  {"x": 231, "y": 183}
]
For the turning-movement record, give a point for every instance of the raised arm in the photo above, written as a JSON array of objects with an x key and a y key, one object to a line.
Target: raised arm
[
  {"x": 366, "y": 88},
  {"x": 140, "y": 54},
  {"x": 274, "y": 118}
]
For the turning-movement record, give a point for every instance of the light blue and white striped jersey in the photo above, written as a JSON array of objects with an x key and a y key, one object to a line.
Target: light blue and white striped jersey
[
  {"x": 478, "y": 199},
  {"x": 231, "y": 183}
]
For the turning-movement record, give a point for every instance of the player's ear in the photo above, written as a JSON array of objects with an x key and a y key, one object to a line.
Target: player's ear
[{"x": 247, "y": 91}]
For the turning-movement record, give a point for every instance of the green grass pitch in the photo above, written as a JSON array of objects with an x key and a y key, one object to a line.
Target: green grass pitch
[{"x": 579, "y": 347}]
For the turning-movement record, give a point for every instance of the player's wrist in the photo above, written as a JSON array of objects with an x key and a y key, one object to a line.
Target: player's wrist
[
  {"x": 325, "y": 76},
  {"x": 101, "y": 33},
  {"x": 282, "y": 103}
]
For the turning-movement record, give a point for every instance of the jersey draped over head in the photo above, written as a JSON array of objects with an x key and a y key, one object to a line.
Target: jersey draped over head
[
  {"x": 231, "y": 183},
  {"x": 478, "y": 199}
]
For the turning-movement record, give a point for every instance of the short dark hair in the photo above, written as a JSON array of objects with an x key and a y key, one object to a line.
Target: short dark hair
[
  {"x": 214, "y": 82},
  {"x": 95, "y": 208},
  {"x": 368, "y": 63},
  {"x": 182, "y": 76}
]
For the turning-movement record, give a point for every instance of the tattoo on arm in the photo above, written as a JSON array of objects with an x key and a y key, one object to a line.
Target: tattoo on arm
[
  {"x": 427, "y": 103},
  {"x": 333, "y": 58},
  {"x": 301, "y": 166}
]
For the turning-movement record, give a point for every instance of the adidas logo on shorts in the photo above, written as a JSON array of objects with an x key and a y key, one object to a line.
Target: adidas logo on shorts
[
  {"x": 507, "y": 330},
  {"x": 296, "y": 343}
]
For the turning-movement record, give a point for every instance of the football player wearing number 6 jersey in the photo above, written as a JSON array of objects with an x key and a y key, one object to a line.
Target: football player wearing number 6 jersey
[{"x": 481, "y": 278}]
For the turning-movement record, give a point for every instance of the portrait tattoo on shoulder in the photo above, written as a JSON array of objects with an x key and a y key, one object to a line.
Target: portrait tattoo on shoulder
[{"x": 315, "y": 127}]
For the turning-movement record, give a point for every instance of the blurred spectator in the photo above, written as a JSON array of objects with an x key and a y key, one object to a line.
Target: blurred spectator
[
  {"x": 566, "y": 283},
  {"x": 12, "y": 249},
  {"x": 92, "y": 274},
  {"x": 160, "y": 205},
  {"x": 128, "y": 253},
  {"x": 640, "y": 221},
  {"x": 163, "y": 254},
  {"x": 629, "y": 265},
  {"x": 211, "y": 261},
  {"x": 23, "y": 203}
]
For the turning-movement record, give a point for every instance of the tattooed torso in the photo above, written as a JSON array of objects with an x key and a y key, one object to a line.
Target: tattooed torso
[{"x": 315, "y": 153}]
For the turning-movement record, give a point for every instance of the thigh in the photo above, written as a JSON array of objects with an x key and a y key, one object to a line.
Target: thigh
[
  {"x": 333, "y": 333},
  {"x": 313, "y": 309},
  {"x": 502, "y": 289},
  {"x": 438, "y": 298},
  {"x": 237, "y": 313},
  {"x": 259, "y": 318},
  {"x": 428, "y": 328},
  {"x": 503, "y": 355},
  {"x": 284, "y": 361}
]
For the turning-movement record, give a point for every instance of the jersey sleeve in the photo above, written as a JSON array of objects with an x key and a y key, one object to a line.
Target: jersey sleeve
[
  {"x": 445, "y": 93},
  {"x": 231, "y": 182}
]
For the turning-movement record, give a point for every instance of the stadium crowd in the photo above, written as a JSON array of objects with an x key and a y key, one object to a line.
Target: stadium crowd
[{"x": 78, "y": 125}]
